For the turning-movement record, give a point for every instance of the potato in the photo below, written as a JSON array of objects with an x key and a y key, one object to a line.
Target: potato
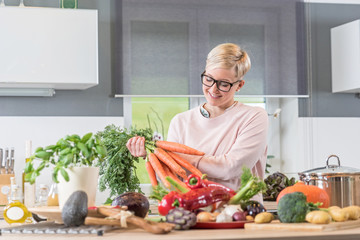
[
  {"x": 338, "y": 214},
  {"x": 264, "y": 217},
  {"x": 334, "y": 207},
  {"x": 318, "y": 217},
  {"x": 249, "y": 218},
  {"x": 353, "y": 211}
]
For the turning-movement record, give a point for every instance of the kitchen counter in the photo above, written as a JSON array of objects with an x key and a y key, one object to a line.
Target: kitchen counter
[{"x": 139, "y": 234}]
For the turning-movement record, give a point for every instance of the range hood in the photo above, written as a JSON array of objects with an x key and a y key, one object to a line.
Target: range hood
[{"x": 44, "y": 49}]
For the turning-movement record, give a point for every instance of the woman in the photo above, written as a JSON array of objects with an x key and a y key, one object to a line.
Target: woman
[{"x": 230, "y": 133}]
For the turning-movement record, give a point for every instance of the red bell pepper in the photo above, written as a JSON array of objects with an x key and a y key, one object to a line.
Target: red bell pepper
[
  {"x": 203, "y": 197},
  {"x": 167, "y": 203},
  {"x": 194, "y": 181},
  {"x": 207, "y": 183},
  {"x": 194, "y": 199}
]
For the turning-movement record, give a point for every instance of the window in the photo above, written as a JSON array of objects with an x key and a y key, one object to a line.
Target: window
[
  {"x": 160, "y": 111},
  {"x": 165, "y": 44}
]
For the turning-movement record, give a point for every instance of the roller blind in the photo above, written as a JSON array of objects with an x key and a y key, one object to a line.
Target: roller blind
[{"x": 164, "y": 45}]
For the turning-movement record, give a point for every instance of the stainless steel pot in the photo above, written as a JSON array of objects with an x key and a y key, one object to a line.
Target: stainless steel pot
[{"x": 341, "y": 183}]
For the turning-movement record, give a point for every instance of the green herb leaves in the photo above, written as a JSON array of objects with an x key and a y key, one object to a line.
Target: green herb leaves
[
  {"x": 117, "y": 173},
  {"x": 68, "y": 151}
]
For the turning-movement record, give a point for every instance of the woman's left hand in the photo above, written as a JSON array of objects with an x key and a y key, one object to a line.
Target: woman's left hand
[{"x": 136, "y": 146}]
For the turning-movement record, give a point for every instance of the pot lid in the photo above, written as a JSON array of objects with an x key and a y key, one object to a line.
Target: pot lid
[{"x": 331, "y": 168}]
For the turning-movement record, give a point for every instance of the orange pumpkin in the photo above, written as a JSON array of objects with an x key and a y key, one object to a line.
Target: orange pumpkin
[{"x": 313, "y": 193}]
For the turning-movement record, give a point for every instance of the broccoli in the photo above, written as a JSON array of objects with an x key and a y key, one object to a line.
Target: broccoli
[{"x": 292, "y": 208}]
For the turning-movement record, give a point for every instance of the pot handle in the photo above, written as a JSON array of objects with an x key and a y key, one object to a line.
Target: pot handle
[
  {"x": 332, "y": 166},
  {"x": 316, "y": 180}
]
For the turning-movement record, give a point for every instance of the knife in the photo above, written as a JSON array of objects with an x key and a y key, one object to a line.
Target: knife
[
  {"x": 12, "y": 160},
  {"x": 1, "y": 160},
  {"x": 6, "y": 160}
]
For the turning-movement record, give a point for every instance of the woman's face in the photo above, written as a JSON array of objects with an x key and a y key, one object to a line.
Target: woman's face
[{"x": 213, "y": 95}]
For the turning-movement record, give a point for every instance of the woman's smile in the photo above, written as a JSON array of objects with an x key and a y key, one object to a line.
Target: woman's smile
[{"x": 214, "y": 95}]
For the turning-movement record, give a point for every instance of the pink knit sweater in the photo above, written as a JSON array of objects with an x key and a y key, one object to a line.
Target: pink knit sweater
[{"x": 230, "y": 141}]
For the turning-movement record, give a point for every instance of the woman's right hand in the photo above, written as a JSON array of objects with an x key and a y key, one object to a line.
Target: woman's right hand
[{"x": 136, "y": 146}]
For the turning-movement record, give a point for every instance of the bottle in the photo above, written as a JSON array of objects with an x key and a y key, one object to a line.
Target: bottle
[
  {"x": 43, "y": 195},
  {"x": 28, "y": 189},
  {"x": 15, "y": 211},
  {"x": 53, "y": 199}
]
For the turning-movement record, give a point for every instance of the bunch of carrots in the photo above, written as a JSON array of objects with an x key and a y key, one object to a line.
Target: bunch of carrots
[{"x": 164, "y": 161}]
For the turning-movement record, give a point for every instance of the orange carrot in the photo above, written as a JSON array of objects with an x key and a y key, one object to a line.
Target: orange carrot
[
  {"x": 151, "y": 172},
  {"x": 178, "y": 147},
  {"x": 167, "y": 159},
  {"x": 156, "y": 164},
  {"x": 185, "y": 164},
  {"x": 173, "y": 176}
]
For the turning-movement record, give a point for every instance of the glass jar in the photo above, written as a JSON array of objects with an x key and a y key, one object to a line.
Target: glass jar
[
  {"x": 52, "y": 199},
  {"x": 43, "y": 195}
]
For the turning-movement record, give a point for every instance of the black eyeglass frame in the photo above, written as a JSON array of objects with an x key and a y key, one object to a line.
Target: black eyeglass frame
[{"x": 217, "y": 82}]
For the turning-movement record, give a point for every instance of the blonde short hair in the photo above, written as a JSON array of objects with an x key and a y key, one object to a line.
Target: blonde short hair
[{"x": 228, "y": 56}]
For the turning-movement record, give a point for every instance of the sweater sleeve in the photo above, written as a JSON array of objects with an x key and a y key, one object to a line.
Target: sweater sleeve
[{"x": 248, "y": 148}]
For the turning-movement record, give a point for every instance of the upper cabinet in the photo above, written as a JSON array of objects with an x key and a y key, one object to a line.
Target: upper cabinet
[
  {"x": 345, "y": 57},
  {"x": 48, "y": 48}
]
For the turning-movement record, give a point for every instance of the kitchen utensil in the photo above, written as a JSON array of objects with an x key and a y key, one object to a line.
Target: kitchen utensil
[
  {"x": 1, "y": 161},
  {"x": 6, "y": 159},
  {"x": 277, "y": 225},
  {"x": 55, "y": 228},
  {"x": 53, "y": 213},
  {"x": 220, "y": 225},
  {"x": 341, "y": 183},
  {"x": 12, "y": 161}
]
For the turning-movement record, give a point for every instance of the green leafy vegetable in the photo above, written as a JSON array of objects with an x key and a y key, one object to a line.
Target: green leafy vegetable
[
  {"x": 275, "y": 183},
  {"x": 292, "y": 207},
  {"x": 250, "y": 186},
  {"x": 117, "y": 172}
]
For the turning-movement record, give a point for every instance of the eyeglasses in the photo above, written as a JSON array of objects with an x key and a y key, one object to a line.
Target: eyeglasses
[{"x": 223, "y": 86}]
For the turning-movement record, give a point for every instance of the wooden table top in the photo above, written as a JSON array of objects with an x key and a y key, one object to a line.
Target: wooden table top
[{"x": 139, "y": 234}]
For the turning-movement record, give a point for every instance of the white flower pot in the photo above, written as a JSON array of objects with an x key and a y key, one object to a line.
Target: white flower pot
[{"x": 81, "y": 178}]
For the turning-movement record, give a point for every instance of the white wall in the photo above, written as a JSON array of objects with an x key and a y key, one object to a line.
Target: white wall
[
  {"x": 306, "y": 143},
  {"x": 339, "y": 136},
  {"x": 44, "y": 131}
]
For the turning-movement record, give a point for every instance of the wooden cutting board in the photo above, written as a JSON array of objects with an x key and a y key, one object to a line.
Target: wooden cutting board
[
  {"x": 277, "y": 225},
  {"x": 53, "y": 213}
]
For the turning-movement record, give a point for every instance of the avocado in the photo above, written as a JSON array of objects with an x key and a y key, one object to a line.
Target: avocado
[{"x": 75, "y": 209}]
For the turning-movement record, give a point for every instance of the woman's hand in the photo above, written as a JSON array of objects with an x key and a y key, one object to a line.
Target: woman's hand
[{"x": 136, "y": 146}]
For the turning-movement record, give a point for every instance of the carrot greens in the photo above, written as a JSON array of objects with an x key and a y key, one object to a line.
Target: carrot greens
[{"x": 117, "y": 172}]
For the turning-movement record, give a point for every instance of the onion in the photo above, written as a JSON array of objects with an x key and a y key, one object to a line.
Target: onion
[
  {"x": 231, "y": 209},
  {"x": 205, "y": 217},
  {"x": 223, "y": 217},
  {"x": 239, "y": 216}
]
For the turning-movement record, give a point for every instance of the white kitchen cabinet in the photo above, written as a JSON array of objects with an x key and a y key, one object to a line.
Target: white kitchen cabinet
[
  {"x": 345, "y": 57},
  {"x": 48, "y": 48}
]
